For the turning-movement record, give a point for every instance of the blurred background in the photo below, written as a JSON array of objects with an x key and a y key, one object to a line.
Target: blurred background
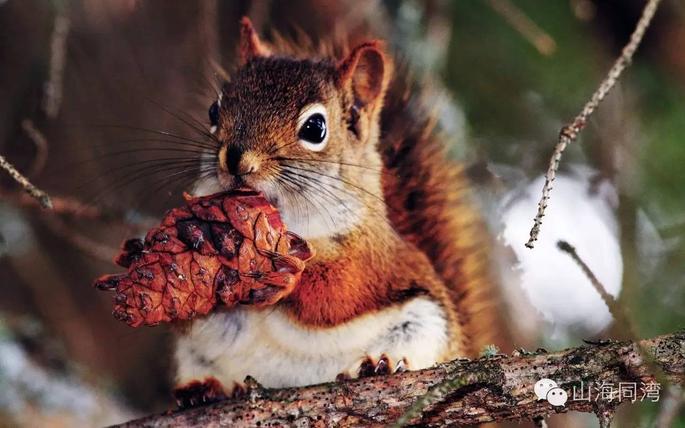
[{"x": 86, "y": 84}]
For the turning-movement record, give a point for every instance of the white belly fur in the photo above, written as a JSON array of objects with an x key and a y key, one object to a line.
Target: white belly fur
[{"x": 268, "y": 346}]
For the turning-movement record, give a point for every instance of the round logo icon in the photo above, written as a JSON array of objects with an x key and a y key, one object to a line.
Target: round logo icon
[
  {"x": 543, "y": 386},
  {"x": 557, "y": 396}
]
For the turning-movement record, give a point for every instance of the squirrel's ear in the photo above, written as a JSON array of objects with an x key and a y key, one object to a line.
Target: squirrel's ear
[
  {"x": 250, "y": 45},
  {"x": 366, "y": 67}
]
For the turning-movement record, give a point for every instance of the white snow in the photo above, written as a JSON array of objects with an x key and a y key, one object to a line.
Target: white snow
[{"x": 552, "y": 282}]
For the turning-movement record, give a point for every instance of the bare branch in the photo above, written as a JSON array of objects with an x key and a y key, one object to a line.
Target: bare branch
[
  {"x": 569, "y": 133},
  {"x": 58, "y": 54},
  {"x": 536, "y": 36},
  {"x": 488, "y": 389},
  {"x": 70, "y": 207},
  {"x": 41, "y": 144},
  {"x": 80, "y": 241},
  {"x": 24, "y": 182},
  {"x": 617, "y": 311},
  {"x": 608, "y": 299},
  {"x": 63, "y": 205}
]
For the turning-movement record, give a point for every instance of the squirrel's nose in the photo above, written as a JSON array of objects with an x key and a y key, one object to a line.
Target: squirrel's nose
[{"x": 239, "y": 163}]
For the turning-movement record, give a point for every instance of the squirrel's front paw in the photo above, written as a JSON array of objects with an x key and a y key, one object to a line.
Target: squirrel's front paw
[
  {"x": 369, "y": 366},
  {"x": 267, "y": 288},
  {"x": 199, "y": 393}
]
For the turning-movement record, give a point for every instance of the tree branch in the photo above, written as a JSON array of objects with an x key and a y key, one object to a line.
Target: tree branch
[
  {"x": 519, "y": 21},
  {"x": 24, "y": 182},
  {"x": 569, "y": 133},
  {"x": 488, "y": 389}
]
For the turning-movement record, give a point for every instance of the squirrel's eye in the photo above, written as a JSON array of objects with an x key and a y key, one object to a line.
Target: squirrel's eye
[
  {"x": 312, "y": 129},
  {"x": 214, "y": 114}
]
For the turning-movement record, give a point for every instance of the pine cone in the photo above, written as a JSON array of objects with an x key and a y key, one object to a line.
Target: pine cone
[{"x": 229, "y": 248}]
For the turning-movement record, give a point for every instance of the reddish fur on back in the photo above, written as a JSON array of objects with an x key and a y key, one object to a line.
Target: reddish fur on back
[{"x": 431, "y": 206}]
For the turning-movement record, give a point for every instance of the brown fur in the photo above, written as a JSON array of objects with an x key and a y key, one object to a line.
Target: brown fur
[
  {"x": 420, "y": 233},
  {"x": 369, "y": 270},
  {"x": 431, "y": 206}
]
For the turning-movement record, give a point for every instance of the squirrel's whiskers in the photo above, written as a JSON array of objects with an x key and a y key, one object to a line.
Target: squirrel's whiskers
[{"x": 400, "y": 277}]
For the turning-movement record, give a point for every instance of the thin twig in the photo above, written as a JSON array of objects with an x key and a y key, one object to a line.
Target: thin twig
[
  {"x": 81, "y": 242},
  {"x": 70, "y": 207},
  {"x": 41, "y": 144},
  {"x": 24, "y": 182},
  {"x": 61, "y": 205},
  {"x": 58, "y": 46},
  {"x": 569, "y": 133},
  {"x": 519, "y": 21},
  {"x": 610, "y": 301},
  {"x": 616, "y": 310}
]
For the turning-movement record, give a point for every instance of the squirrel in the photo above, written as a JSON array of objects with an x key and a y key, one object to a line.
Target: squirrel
[{"x": 400, "y": 279}]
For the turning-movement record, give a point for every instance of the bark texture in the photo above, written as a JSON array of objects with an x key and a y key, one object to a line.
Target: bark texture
[{"x": 487, "y": 389}]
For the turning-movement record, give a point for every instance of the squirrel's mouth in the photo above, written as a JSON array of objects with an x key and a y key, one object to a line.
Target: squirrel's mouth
[
  {"x": 228, "y": 182},
  {"x": 273, "y": 196},
  {"x": 302, "y": 213}
]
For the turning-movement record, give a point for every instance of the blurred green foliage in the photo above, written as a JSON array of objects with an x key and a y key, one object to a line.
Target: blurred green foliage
[{"x": 516, "y": 99}]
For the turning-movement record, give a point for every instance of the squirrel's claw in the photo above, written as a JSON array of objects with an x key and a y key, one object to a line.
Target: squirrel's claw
[
  {"x": 270, "y": 287},
  {"x": 199, "y": 393},
  {"x": 369, "y": 366},
  {"x": 275, "y": 285},
  {"x": 284, "y": 264}
]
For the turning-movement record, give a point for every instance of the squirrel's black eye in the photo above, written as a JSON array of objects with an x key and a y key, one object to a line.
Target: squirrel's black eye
[
  {"x": 314, "y": 129},
  {"x": 214, "y": 114}
]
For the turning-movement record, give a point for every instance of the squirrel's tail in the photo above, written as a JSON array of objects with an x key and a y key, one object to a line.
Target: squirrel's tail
[{"x": 430, "y": 204}]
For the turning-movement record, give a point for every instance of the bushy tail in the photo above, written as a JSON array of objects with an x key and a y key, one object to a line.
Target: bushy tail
[{"x": 430, "y": 205}]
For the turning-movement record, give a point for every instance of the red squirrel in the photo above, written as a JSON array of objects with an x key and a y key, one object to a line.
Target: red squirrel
[{"x": 400, "y": 278}]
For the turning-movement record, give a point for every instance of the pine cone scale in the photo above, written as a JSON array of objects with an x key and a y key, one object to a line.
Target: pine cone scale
[{"x": 222, "y": 249}]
